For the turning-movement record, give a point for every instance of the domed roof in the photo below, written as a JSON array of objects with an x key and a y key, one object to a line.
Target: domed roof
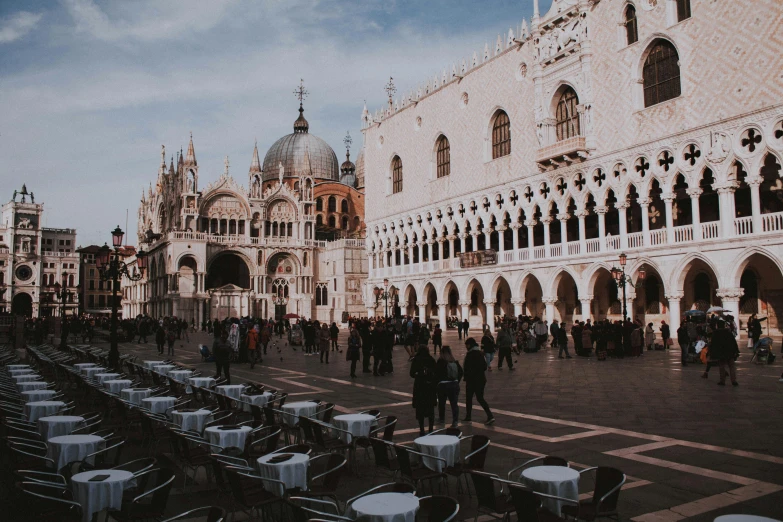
[{"x": 301, "y": 153}]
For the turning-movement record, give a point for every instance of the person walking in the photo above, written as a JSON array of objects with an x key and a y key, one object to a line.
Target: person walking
[
  {"x": 364, "y": 333},
  {"x": 562, "y": 341},
  {"x": 160, "y": 338},
  {"x": 649, "y": 337},
  {"x": 459, "y": 330},
  {"x": 333, "y": 333},
  {"x": 684, "y": 340},
  {"x": 665, "y": 334},
  {"x": 424, "y": 391},
  {"x": 637, "y": 340},
  {"x": 541, "y": 331},
  {"x": 379, "y": 339},
  {"x": 171, "y": 337},
  {"x": 504, "y": 342},
  {"x": 448, "y": 373},
  {"x": 488, "y": 347},
  {"x": 325, "y": 340},
  {"x": 354, "y": 351},
  {"x": 221, "y": 350},
  {"x": 465, "y": 327},
  {"x": 475, "y": 380},
  {"x": 423, "y": 336},
  {"x": 554, "y": 330},
  {"x": 437, "y": 339},
  {"x": 724, "y": 350},
  {"x": 252, "y": 346},
  {"x": 264, "y": 337},
  {"x": 143, "y": 327}
]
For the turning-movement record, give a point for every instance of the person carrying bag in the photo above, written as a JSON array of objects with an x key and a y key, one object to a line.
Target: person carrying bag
[{"x": 449, "y": 374}]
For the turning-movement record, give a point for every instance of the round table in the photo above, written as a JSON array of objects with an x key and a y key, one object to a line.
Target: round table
[
  {"x": 16, "y": 366},
  {"x": 96, "y": 496},
  {"x": 33, "y": 385},
  {"x": 27, "y": 377},
  {"x": 115, "y": 386},
  {"x": 191, "y": 420},
  {"x": 135, "y": 395},
  {"x": 200, "y": 382},
  {"x": 443, "y": 446},
  {"x": 234, "y": 438},
  {"x": 37, "y": 395},
  {"x": 150, "y": 364},
  {"x": 294, "y": 409},
  {"x": 103, "y": 377},
  {"x": 163, "y": 369},
  {"x": 158, "y": 404},
  {"x": 21, "y": 371},
  {"x": 72, "y": 448},
  {"x": 35, "y": 410},
  {"x": 180, "y": 375},
  {"x": 358, "y": 424},
  {"x": 58, "y": 425},
  {"x": 79, "y": 366},
  {"x": 92, "y": 370},
  {"x": 559, "y": 481},
  {"x": 744, "y": 518},
  {"x": 231, "y": 390},
  {"x": 292, "y": 472},
  {"x": 384, "y": 507},
  {"x": 256, "y": 400}
]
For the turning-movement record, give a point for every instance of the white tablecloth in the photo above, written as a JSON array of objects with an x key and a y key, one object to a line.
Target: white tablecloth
[
  {"x": 257, "y": 400},
  {"x": 180, "y": 375},
  {"x": 135, "y": 395},
  {"x": 150, "y": 364},
  {"x": 37, "y": 395},
  {"x": 96, "y": 496},
  {"x": 35, "y": 410},
  {"x": 233, "y": 390},
  {"x": 158, "y": 404},
  {"x": 744, "y": 518},
  {"x": 384, "y": 507},
  {"x": 58, "y": 425},
  {"x": 73, "y": 448},
  {"x": 115, "y": 386},
  {"x": 27, "y": 377},
  {"x": 79, "y": 366},
  {"x": 34, "y": 385},
  {"x": 201, "y": 382},
  {"x": 103, "y": 377},
  {"x": 16, "y": 366},
  {"x": 294, "y": 409},
  {"x": 227, "y": 438},
  {"x": 191, "y": 420},
  {"x": 552, "y": 480},
  {"x": 163, "y": 369},
  {"x": 359, "y": 424},
  {"x": 92, "y": 370},
  {"x": 293, "y": 472},
  {"x": 443, "y": 446},
  {"x": 21, "y": 371}
]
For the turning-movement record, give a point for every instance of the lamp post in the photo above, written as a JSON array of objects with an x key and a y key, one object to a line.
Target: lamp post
[
  {"x": 112, "y": 268},
  {"x": 623, "y": 280},
  {"x": 63, "y": 294},
  {"x": 384, "y": 293}
]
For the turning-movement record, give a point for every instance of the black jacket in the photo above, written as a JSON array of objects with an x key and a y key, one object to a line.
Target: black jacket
[
  {"x": 723, "y": 345},
  {"x": 441, "y": 371},
  {"x": 475, "y": 367},
  {"x": 424, "y": 392}
]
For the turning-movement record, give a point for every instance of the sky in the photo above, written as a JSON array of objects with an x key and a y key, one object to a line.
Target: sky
[{"x": 91, "y": 89}]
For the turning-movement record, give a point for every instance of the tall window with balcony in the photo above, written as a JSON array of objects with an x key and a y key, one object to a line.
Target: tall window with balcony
[
  {"x": 501, "y": 136},
  {"x": 567, "y": 116},
  {"x": 683, "y": 10},
  {"x": 396, "y": 175},
  {"x": 631, "y": 28},
  {"x": 443, "y": 157},
  {"x": 661, "y": 74}
]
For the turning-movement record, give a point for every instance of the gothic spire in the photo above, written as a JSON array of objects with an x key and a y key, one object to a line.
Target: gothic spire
[
  {"x": 171, "y": 167},
  {"x": 301, "y": 126},
  {"x": 190, "y": 159},
  {"x": 255, "y": 165}
]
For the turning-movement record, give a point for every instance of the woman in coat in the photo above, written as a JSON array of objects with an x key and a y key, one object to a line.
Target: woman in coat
[
  {"x": 354, "y": 352},
  {"x": 649, "y": 337},
  {"x": 325, "y": 340},
  {"x": 424, "y": 387}
]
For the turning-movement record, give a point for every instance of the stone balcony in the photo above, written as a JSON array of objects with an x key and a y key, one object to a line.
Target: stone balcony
[{"x": 562, "y": 153}]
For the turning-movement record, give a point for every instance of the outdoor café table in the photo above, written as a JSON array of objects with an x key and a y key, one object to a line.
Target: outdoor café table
[
  {"x": 200, "y": 382},
  {"x": 443, "y": 446},
  {"x": 150, "y": 364},
  {"x": 58, "y": 425},
  {"x": 180, "y": 375},
  {"x": 231, "y": 390},
  {"x": 79, "y": 366},
  {"x": 358, "y": 424},
  {"x": 163, "y": 369},
  {"x": 115, "y": 386},
  {"x": 259, "y": 400},
  {"x": 31, "y": 385},
  {"x": 27, "y": 377},
  {"x": 72, "y": 448},
  {"x": 158, "y": 404},
  {"x": 384, "y": 507},
  {"x": 191, "y": 419},
  {"x": 16, "y": 366},
  {"x": 227, "y": 436},
  {"x": 98, "y": 495},
  {"x": 21, "y": 371},
  {"x": 744, "y": 518},
  {"x": 559, "y": 481},
  {"x": 92, "y": 370},
  {"x": 292, "y": 471},
  {"x": 37, "y": 395},
  {"x": 135, "y": 395},
  {"x": 295, "y": 409},
  {"x": 35, "y": 410},
  {"x": 103, "y": 377}
]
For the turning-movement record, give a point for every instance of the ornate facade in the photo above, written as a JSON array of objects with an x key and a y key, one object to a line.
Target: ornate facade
[{"x": 649, "y": 127}]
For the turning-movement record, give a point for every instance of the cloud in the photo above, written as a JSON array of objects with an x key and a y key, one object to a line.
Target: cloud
[{"x": 18, "y": 25}]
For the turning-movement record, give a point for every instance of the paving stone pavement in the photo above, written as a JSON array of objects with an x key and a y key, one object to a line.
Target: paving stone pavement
[{"x": 692, "y": 450}]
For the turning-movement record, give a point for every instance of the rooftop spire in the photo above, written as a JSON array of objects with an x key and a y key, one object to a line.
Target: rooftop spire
[
  {"x": 255, "y": 165},
  {"x": 191, "y": 157},
  {"x": 390, "y": 90},
  {"x": 301, "y": 125}
]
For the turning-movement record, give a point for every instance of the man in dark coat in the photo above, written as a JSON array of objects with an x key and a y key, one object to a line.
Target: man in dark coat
[
  {"x": 724, "y": 349},
  {"x": 475, "y": 367},
  {"x": 424, "y": 387}
]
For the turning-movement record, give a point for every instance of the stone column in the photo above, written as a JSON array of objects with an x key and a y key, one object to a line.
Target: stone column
[
  {"x": 501, "y": 239},
  {"x": 515, "y": 236},
  {"x": 668, "y": 199},
  {"x": 422, "y": 311},
  {"x": 727, "y": 210},
  {"x": 489, "y": 320},
  {"x": 451, "y": 239},
  {"x": 755, "y": 201},
  {"x": 644, "y": 203},
  {"x": 674, "y": 311},
  {"x": 465, "y": 309},
  {"x": 487, "y": 238},
  {"x": 586, "y": 304},
  {"x": 440, "y": 248},
  {"x": 442, "y": 313},
  {"x": 517, "y": 306},
  {"x": 530, "y": 224},
  {"x": 730, "y": 299},
  {"x": 549, "y": 302},
  {"x": 582, "y": 233},
  {"x": 546, "y": 223},
  {"x": 621, "y": 209},
  {"x": 563, "y": 218},
  {"x": 601, "y": 212},
  {"x": 694, "y": 194}
]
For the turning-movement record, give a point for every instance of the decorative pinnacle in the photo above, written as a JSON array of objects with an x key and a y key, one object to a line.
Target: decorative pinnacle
[
  {"x": 390, "y": 89},
  {"x": 347, "y": 140},
  {"x": 300, "y": 92}
]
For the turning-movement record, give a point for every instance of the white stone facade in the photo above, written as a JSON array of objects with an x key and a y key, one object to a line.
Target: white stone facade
[{"x": 688, "y": 188}]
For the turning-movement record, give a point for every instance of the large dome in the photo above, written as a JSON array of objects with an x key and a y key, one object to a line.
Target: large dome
[{"x": 300, "y": 153}]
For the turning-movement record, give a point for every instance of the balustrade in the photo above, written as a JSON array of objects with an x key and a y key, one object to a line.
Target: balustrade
[
  {"x": 683, "y": 233},
  {"x": 539, "y": 252},
  {"x": 556, "y": 250},
  {"x": 658, "y": 237},
  {"x": 710, "y": 230},
  {"x": 593, "y": 245},
  {"x": 743, "y": 226},
  {"x": 613, "y": 242},
  {"x": 574, "y": 248},
  {"x": 772, "y": 222},
  {"x": 636, "y": 240}
]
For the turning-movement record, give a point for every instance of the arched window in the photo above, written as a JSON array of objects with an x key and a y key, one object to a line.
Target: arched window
[
  {"x": 683, "y": 10},
  {"x": 661, "y": 74},
  {"x": 344, "y": 206},
  {"x": 567, "y": 115},
  {"x": 631, "y": 29},
  {"x": 501, "y": 136},
  {"x": 444, "y": 157},
  {"x": 319, "y": 204},
  {"x": 321, "y": 294},
  {"x": 345, "y": 223},
  {"x": 396, "y": 175},
  {"x": 319, "y": 220},
  {"x": 331, "y": 221},
  {"x": 332, "y": 204}
]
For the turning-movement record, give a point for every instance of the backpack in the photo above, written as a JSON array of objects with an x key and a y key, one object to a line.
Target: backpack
[{"x": 452, "y": 371}]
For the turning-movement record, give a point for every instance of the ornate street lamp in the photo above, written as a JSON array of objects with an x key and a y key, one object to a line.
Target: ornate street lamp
[
  {"x": 622, "y": 280},
  {"x": 112, "y": 268},
  {"x": 384, "y": 293}
]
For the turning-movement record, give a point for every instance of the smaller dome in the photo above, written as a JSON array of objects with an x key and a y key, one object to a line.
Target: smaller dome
[
  {"x": 348, "y": 171},
  {"x": 301, "y": 125}
]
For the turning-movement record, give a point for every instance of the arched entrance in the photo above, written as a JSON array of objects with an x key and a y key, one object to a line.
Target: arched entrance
[
  {"x": 228, "y": 269},
  {"x": 409, "y": 302},
  {"x": 606, "y": 296},
  {"x": 477, "y": 310},
  {"x": 699, "y": 285},
  {"x": 282, "y": 271},
  {"x": 762, "y": 284},
  {"x": 531, "y": 289},
  {"x": 188, "y": 268},
  {"x": 503, "y": 306},
  {"x": 650, "y": 304},
  {"x": 453, "y": 309},
  {"x": 22, "y": 304},
  {"x": 567, "y": 306},
  {"x": 431, "y": 298}
]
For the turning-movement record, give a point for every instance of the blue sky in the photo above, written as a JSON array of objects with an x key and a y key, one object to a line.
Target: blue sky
[{"x": 91, "y": 89}]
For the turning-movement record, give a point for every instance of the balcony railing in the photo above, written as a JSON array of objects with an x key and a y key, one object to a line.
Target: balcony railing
[
  {"x": 743, "y": 226},
  {"x": 710, "y": 230},
  {"x": 683, "y": 234},
  {"x": 636, "y": 240},
  {"x": 658, "y": 237},
  {"x": 566, "y": 148},
  {"x": 772, "y": 222}
]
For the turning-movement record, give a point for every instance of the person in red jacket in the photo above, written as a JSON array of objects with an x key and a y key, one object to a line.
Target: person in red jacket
[{"x": 252, "y": 346}]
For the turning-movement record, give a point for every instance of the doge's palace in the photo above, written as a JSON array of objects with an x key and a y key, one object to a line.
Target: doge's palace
[{"x": 652, "y": 128}]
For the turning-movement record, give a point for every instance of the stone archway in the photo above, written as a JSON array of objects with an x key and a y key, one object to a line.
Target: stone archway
[
  {"x": 228, "y": 268},
  {"x": 533, "y": 305},
  {"x": 650, "y": 304},
  {"x": 606, "y": 302},
  {"x": 477, "y": 310},
  {"x": 762, "y": 283},
  {"x": 22, "y": 304},
  {"x": 502, "y": 296},
  {"x": 452, "y": 301},
  {"x": 431, "y": 308},
  {"x": 699, "y": 284},
  {"x": 567, "y": 305},
  {"x": 409, "y": 300}
]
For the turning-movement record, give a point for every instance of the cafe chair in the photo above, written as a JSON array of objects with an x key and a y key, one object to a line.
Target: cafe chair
[
  {"x": 48, "y": 502},
  {"x": 213, "y": 514},
  {"x": 151, "y": 504},
  {"x": 603, "y": 504},
  {"x": 305, "y": 449},
  {"x": 451, "y": 430},
  {"x": 268, "y": 437},
  {"x": 249, "y": 493},
  {"x": 417, "y": 475},
  {"x": 383, "y": 456},
  {"x": 138, "y": 466},
  {"x": 303, "y": 511},
  {"x": 490, "y": 502},
  {"x": 548, "y": 460},
  {"x": 326, "y": 471},
  {"x": 473, "y": 461},
  {"x": 385, "y": 431},
  {"x": 437, "y": 508},
  {"x": 529, "y": 507}
]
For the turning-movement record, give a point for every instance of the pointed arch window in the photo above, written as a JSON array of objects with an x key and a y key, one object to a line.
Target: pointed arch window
[
  {"x": 567, "y": 116},
  {"x": 661, "y": 74},
  {"x": 396, "y": 175},
  {"x": 631, "y": 28},
  {"x": 344, "y": 206},
  {"x": 444, "y": 157},
  {"x": 501, "y": 136},
  {"x": 683, "y": 10},
  {"x": 332, "y": 204}
]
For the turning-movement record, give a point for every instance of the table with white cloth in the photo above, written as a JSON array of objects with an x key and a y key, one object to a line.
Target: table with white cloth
[
  {"x": 744, "y": 518},
  {"x": 92, "y": 370},
  {"x": 58, "y": 425},
  {"x": 259, "y": 400},
  {"x": 96, "y": 496},
  {"x": 179, "y": 375},
  {"x": 200, "y": 382},
  {"x": 37, "y": 395},
  {"x": 115, "y": 386},
  {"x": 231, "y": 438},
  {"x": 295, "y": 409},
  {"x": 21, "y": 371},
  {"x": 35, "y": 410},
  {"x": 79, "y": 366},
  {"x": 150, "y": 364},
  {"x": 443, "y": 446},
  {"x": 231, "y": 390},
  {"x": 27, "y": 377},
  {"x": 158, "y": 404},
  {"x": 358, "y": 424},
  {"x": 32, "y": 385},
  {"x": 559, "y": 481},
  {"x": 16, "y": 366},
  {"x": 72, "y": 448},
  {"x": 135, "y": 395},
  {"x": 163, "y": 369},
  {"x": 103, "y": 377},
  {"x": 292, "y": 472},
  {"x": 384, "y": 507},
  {"x": 191, "y": 420}
]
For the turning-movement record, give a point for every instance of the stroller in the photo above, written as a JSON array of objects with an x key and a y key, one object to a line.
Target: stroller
[
  {"x": 206, "y": 355},
  {"x": 762, "y": 352}
]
